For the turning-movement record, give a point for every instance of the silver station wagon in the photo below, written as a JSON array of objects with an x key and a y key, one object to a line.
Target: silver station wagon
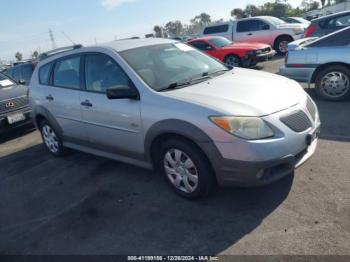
[{"x": 162, "y": 104}]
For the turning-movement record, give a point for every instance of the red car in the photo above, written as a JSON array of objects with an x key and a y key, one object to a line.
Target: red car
[{"x": 233, "y": 54}]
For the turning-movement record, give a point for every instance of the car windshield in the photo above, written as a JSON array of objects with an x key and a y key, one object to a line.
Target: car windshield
[
  {"x": 220, "y": 42},
  {"x": 171, "y": 65},
  {"x": 276, "y": 21},
  {"x": 5, "y": 81}
]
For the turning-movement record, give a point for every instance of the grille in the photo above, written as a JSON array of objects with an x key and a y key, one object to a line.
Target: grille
[
  {"x": 297, "y": 121},
  {"x": 17, "y": 103},
  {"x": 311, "y": 108}
]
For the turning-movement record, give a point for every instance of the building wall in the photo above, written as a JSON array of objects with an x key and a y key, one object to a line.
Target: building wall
[{"x": 330, "y": 9}]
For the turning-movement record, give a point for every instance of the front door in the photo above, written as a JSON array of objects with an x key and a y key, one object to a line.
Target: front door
[{"x": 114, "y": 126}]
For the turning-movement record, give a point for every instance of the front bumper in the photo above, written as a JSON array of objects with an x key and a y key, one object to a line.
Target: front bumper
[
  {"x": 303, "y": 74},
  {"x": 4, "y": 124},
  {"x": 252, "y": 60},
  {"x": 260, "y": 162}
]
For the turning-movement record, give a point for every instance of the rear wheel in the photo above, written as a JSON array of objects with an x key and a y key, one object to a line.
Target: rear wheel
[
  {"x": 51, "y": 139},
  {"x": 186, "y": 169},
  {"x": 333, "y": 83},
  {"x": 281, "y": 44},
  {"x": 232, "y": 60}
]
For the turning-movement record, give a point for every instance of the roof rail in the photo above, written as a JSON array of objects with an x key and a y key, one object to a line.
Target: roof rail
[{"x": 58, "y": 51}]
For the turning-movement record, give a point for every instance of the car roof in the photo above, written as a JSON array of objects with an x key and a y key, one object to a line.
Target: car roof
[
  {"x": 331, "y": 16},
  {"x": 123, "y": 45}
]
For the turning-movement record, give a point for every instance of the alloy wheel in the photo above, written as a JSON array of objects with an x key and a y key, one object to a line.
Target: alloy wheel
[
  {"x": 335, "y": 84},
  {"x": 283, "y": 47},
  {"x": 232, "y": 61},
  {"x": 50, "y": 139}
]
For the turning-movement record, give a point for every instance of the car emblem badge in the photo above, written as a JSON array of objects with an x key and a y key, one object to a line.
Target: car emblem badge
[{"x": 9, "y": 105}]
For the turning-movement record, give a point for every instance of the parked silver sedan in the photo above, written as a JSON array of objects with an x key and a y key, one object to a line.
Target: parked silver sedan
[{"x": 323, "y": 61}]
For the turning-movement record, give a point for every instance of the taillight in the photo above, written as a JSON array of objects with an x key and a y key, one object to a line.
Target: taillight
[{"x": 311, "y": 29}]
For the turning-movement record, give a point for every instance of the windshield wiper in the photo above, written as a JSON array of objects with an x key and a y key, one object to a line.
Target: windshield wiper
[
  {"x": 216, "y": 72},
  {"x": 177, "y": 85}
]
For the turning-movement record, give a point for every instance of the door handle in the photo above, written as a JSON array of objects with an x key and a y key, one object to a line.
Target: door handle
[
  {"x": 250, "y": 34},
  {"x": 86, "y": 103},
  {"x": 50, "y": 98}
]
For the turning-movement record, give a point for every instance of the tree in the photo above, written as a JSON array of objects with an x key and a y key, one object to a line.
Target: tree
[
  {"x": 202, "y": 19},
  {"x": 323, "y": 2},
  {"x": 35, "y": 54},
  {"x": 252, "y": 10},
  {"x": 174, "y": 28},
  {"x": 158, "y": 30},
  {"x": 238, "y": 13},
  {"x": 19, "y": 56}
]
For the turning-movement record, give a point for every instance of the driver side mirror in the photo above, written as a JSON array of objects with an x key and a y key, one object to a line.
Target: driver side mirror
[
  {"x": 122, "y": 92},
  {"x": 22, "y": 82}
]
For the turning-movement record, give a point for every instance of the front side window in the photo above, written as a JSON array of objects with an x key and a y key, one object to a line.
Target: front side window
[
  {"x": 16, "y": 73},
  {"x": 252, "y": 25},
  {"x": 67, "y": 73},
  {"x": 216, "y": 29},
  {"x": 201, "y": 45},
  {"x": 27, "y": 71},
  {"x": 44, "y": 74},
  {"x": 220, "y": 42},
  {"x": 102, "y": 72},
  {"x": 166, "y": 64}
]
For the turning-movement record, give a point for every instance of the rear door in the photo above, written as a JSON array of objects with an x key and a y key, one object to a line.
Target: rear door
[
  {"x": 114, "y": 126},
  {"x": 60, "y": 84},
  {"x": 253, "y": 31}
]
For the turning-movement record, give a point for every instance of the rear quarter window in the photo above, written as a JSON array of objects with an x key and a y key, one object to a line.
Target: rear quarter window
[
  {"x": 44, "y": 74},
  {"x": 216, "y": 29}
]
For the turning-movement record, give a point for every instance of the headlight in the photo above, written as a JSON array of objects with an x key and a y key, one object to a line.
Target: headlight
[{"x": 250, "y": 128}]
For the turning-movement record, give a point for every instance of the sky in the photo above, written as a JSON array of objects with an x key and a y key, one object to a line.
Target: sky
[{"x": 26, "y": 24}]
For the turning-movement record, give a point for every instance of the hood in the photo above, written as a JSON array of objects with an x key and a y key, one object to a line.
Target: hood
[
  {"x": 301, "y": 42},
  {"x": 244, "y": 92},
  {"x": 252, "y": 46},
  {"x": 12, "y": 92}
]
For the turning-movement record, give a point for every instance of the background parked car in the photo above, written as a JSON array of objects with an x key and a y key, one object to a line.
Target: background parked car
[
  {"x": 297, "y": 20},
  {"x": 14, "y": 105},
  {"x": 263, "y": 29},
  {"x": 233, "y": 54},
  {"x": 22, "y": 72},
  {"x": 328, "y": 24},
  {"x": 324, "y": 61}
]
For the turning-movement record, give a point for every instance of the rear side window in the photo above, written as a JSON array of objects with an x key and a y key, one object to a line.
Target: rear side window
[
  {"x": 216, "y": 29},
  {"x": 44, "y": 74},
  {"x": 67, "y": 73},
  {"x": 339, "y": 39},
  {"x": 337, "y": 23}
]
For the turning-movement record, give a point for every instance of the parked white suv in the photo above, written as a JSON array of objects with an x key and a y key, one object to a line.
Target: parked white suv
[{"x": 262, "y": 29}]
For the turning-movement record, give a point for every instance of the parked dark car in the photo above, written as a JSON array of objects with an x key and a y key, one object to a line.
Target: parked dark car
[
  {"x": 22, "y": 73},
  {"x": 328, "y": 24},
  {"x": 14, "y": 104}
]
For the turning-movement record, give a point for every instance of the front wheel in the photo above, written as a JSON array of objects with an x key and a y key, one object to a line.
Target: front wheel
[
  {"x": 186, "y": 169},
  {"x": 51, "y": 139},
  {"x": 233, "y": 61},
  {"x": 281, "y": 45},
  {"x": 333, "y": 83}
]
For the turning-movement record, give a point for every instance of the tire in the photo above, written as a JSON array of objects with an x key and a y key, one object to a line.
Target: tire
[
  {"x": 232, "y": 60},
  {"x": 281, "y": 44},
  {"x": 51, "y": 139},
  {"x": 333, "y": 83},
  {"x": 186, "y": 169}
]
